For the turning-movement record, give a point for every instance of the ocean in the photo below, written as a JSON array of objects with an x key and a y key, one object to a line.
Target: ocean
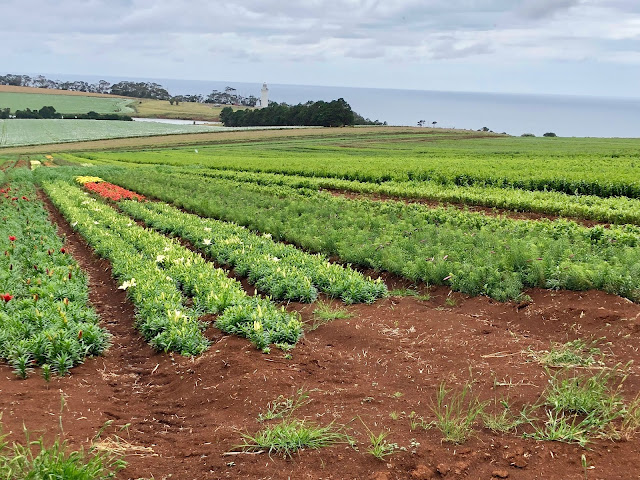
[{"x": 515, "y": 114}]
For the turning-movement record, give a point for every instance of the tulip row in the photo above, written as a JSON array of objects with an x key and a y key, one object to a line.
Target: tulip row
[
  {"x": 161, "y": 277},
  {"x": 45, "y": 317},
  {"x": 82, "y": 179},
  {"x": 283, "y": 271},
  {"x": 112, "y": 192}
]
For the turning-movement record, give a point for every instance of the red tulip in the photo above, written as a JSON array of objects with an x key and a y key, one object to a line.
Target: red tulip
[
  {"x": 6, "y": 297},
  {"x": 63, "y": 250},
  {"x": 12, "y": 238}
]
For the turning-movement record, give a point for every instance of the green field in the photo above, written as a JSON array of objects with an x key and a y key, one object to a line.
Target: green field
[
  {"x": 601, "y": 167},
  {"x": 592, "y": 179},
  {"x": 148, "y": 108},
  {"x": 15, "y": 132},
  {"x": 65, "y": 104}
]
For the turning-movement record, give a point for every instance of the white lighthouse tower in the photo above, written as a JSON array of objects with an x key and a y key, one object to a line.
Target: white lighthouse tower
[{"x": 264, "y": 96}]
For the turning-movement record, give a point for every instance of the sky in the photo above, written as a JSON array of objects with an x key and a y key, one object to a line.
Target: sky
[{"x": 579, "y": 47}]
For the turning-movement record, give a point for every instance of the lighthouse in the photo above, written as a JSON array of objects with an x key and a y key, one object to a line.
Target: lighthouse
[{"x": 264, "y": 96}]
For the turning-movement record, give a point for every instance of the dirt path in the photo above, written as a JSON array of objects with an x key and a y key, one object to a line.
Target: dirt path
[{"x": 381, "y": 364}]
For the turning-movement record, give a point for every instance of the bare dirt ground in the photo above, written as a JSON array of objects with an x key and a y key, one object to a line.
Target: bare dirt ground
[{"x": 182, "y": 414}]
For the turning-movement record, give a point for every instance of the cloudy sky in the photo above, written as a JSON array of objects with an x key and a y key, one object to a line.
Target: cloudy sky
[{"x": 583, "y": 47}]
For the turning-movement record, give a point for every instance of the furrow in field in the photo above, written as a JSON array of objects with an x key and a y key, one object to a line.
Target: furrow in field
[
  {"x": 163, "y": 278},
  {"x": 472, "y": 253}
]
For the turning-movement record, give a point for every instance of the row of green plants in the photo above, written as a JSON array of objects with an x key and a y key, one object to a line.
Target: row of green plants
[
  {"x": 619, "y": 210},
  {"x": 599, "y": 167},
  {"x": 283, "y": 271},
  {"x": 161, "y": 278},
  {"x": 45, "y": 316},
  {"x": 472, "y": 253}
]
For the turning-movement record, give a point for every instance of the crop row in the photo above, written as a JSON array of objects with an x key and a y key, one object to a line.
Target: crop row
[
  {"x": 472, "y": 253},
  {"x": 282, "y": 271},
  {"x": 618, "y": 210},
  {"x": 45, "y": 317},
  {"x": 599, "y": 167},
  {"x": 160, "y": 275}
]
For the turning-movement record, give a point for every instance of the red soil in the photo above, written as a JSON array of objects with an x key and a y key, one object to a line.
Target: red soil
[{"x": 389, "y": 357}]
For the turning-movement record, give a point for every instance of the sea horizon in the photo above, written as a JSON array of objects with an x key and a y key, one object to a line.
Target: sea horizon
[{"x": 511, "y": 113}]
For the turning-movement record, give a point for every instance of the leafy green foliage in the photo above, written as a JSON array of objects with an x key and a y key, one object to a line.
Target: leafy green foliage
[
  {"x": 160, "y": 275},
  {"x": 471, "y": 253},
  {"x": 36, "y": 460},
  {"x": 45, "y": 314},
  {"x": 291, "y": 435},
  {"x": 379, "y": 446},
  {"x": 456, "y": 412},
  {"x": 282, "y": 271},
  {"x": 598, "y": 167},
  {"x": 575, "y": 353}
]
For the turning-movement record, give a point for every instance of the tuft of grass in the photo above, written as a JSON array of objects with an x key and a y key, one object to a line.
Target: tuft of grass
[
  {"x": 560, "y": 427},
  {"x": 591, "y": 396},
  {"x": 456, "y": 412},
  {"x": 415, "y": 422},
  {"x": 283, "y": 406},
  {"x": 450, "y": 302},
  {"x": 630, "y": 424},
  {"x": 506, "y": 420},
  {"x": 407, "y": 292},
  {"x": 576, "y": 353},
  {"x": 379, "y": 447},
  {"x": 325, "y": 313},
  {"x": 583, "y": 406},
  {"x": 36, "y": 460},
  {"x": 292, "y": 435}
]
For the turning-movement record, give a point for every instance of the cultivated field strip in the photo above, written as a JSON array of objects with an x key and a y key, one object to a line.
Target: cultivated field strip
[
  {"x": 161, "y": 277},
  {"x": 617, "y": 210},
  {"x": 473, "y": 253},
  {"x": 598, "y": 167},
  {"x": 45, "y": 316},
  {"x": 282, "y": 271}
]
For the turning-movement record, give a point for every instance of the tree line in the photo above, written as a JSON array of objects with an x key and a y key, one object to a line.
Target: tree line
[
  {"x": 319, "y": 113},
  {"x": 50, "y": 112},
  {"x": 336, "y": 113},
  {"x": 130, "y": 89}
]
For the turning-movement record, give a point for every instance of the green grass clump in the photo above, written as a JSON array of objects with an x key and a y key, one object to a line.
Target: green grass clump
[
  {"x": 292, "y": 435},
  {"x": 379, "y": 447},
  {"x": 456, "y": 412},
  {"x": 283, "y": 406},
  {"x": 407, "y": 292},
  {"x": 576, "y": 353},
  {"x": 506, "y": 420},
  {"x": 37, "y": 461},
  {"x": 562, "y": 428},
  {"x": 325, "y": 313},
  {"x": 591, "y": 396}
]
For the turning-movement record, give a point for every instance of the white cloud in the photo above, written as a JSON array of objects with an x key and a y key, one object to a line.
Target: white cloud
[{"x": 158, "y": 36}]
